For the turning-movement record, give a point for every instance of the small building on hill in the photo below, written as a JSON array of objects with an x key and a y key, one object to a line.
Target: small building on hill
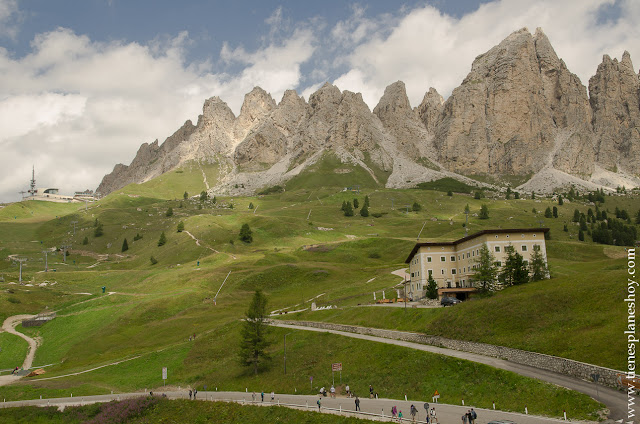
[{"x": 452, "y": 263}]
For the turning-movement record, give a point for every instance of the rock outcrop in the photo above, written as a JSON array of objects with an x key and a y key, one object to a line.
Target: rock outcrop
[
  {"x": 615, "y": 99},
  {"x": 519, "y": 111}
]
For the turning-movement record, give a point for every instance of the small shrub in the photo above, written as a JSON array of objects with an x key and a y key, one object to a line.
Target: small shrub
[
  {"x": 180, "y": 226},
  {"x": 153, "y": 260},
  {"x": 12, "y": 299},
  {"x": 85, "y": 241},
  {"x": 162, "y": 240},
  {"x": 374, "y": 255},
  {"x": 416, "y": 207},
  {"x": 137, "y": 237},
  {"x": 169, "y": 211}
]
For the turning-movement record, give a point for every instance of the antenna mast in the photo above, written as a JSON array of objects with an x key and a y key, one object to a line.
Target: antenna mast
[{"x": 32, "y": 184}]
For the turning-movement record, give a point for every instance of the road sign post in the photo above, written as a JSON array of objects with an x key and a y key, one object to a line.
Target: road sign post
[
  {"x": 436, "y": 396},
  {"x": 336, "y": 367},
  {"x": 164, "y": 375},
  {"x": 311, "y": 382}
]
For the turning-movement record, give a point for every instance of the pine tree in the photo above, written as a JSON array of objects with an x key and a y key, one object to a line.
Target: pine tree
[
  {"x": 162, "y": 240},
  {"x": 180, "y": 226},
  {"x": 98, "y": 232},
  {"x": 467, "y": 209},
  {"x": 576, "y": 215},
  {"x": 555, "y": 212},
  {"x": 450, "y": 193},
  {"x": 533, "y": 195},
  {"x": 251, "y": 205},
  {"x": 583, "y": 223},
  {"x": 514, "y": 271},
  {"x": 366, "y": 201},
  {"x": 432, "y": 288},
  {"x": 486, "y": 270},
  {"x": 356, "y": 204},
  {"x": 181, "y": 205},
  {"x": 516, "y": 195},
  {"x": 125, "y": 245},
  {"x": 565, "y": 229},
  {"x": 85, "y": 241},
  {"x": 203, "y": 196},
  {"x": 153, "y": 260},
  {"x": 344, "y": 206},
  {"x": 246, "y": 235},
  {"x": 484, "y": 212},
  {"x": 95, "y": 223},
  {"x": 254, "y": 342},
  {"x": 169, "y": 211},
  {"x": 538, "y": 266},
  {"x": 214, "y": 200},
  {"x": 364, "y": 211},
  {"x": 508, "y": 193},
  {"x": 185, "y": 196},
  {"x": 416, "y": 207},
  {"x": 348, "y": 209},
  {"x": 581, "y": 235},
  {"x": 478, "y": 195},
  {"x": 560, "y": 200},
  {"x": 548, "y": 213}
]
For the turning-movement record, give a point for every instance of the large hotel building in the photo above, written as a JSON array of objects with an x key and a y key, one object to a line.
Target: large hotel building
[{"x": 453, "y": 263}]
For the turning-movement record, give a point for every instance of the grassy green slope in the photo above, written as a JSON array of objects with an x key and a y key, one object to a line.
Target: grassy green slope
[{"x": 335, "y": 259}]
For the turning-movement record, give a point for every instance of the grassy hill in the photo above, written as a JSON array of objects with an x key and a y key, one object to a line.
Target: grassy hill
[{"x": 304, "y": 249}]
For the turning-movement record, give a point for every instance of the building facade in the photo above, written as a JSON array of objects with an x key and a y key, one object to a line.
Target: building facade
[{"x": 452, "y": 264}]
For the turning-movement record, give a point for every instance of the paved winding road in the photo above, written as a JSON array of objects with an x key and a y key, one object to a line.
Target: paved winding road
[
  {"x": 9, "y": 326},
  {"x": 370, "y": 408},
  {"x": 616, "y": 401}
]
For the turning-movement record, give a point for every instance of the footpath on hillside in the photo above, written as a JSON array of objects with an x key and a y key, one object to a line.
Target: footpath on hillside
[{"x": 9, "y": 325}]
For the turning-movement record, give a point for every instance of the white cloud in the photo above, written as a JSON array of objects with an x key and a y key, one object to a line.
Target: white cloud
[
  {"x": 9, "y": 18},
  {"x": 425, "y": 48},
  {"x": 75, "y": 107}
]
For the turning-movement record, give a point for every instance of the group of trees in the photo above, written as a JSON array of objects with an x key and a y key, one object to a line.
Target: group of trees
[
  {"x": 489, "y": 275},
  {"x": 349, "y": 209},
  {"x": 605, "y": 229}
]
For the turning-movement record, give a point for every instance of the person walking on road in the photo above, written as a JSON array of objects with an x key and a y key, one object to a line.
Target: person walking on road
[
  {"x": 394, "y": 412},
  {"x": 262, "y": 396},
  {"x": 357, "y": 403},
  {"x": 348, "y": 392},
  {"x": 273, "y": 396},
  {"x": 195, "y": 392},
  {"x": 190, "y": 394},
  {"x": 400, "y": 416},
  {"x": 253, "y": 396},
  {"x": 473, "y": 416},
  {"x": 434, "y": 416},
  {"x": 465, "y": 418},
  {"x": 319, "y": 402},
  {"x": 370, "y": 391},
  {"x": 414, "y": 411},
  {"x": 333, "y": 391},
  {"x": 426, "y": 408}
]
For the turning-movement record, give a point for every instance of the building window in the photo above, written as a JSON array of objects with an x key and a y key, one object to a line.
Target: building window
[
  {"x": 524, "y": 248},
  {"x": 498, "y": 263},
  {"x": 442, "y": 271},
  {"x": 467, "y": 254},
  {"x": 477, "y": 251},
  {"x": 453, "y": 259},
  {"x": 443, "y": 259},
  {"x": 464, "y": 269},
  {"x": 453, "y": 272},
  {"x": 473, "y": 253},
  {"x": 497, "y": 248},
  {"x": 412, "y": 275},
  {"x": 458, "y": 257},
  {"x": 428, "y": 258}
]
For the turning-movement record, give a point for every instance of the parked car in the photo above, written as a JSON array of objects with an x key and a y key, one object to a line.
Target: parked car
[{"x": 449, "y": 301}]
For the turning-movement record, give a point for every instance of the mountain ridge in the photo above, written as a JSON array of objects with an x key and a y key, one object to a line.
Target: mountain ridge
[{"x": 519, "y": 111}]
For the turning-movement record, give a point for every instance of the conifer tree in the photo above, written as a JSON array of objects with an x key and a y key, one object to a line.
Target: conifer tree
[
  {"x": 538, "y": 266},
  {"x": 99, "y": 231},
  {"x": 254, "y": 342},
  {"x": 251, "y": 205},
  {"x": 356, "y": 204},
  {"x": 162, "y": 240},
  {"x": 581, "y": 235},
  {"x": 180, "y": 226},
  {"x": 125, "y": 245},
  {"x": 560, "y": 200},
  {"x": 548, "y": 213},
  {"x": 416, "y": 207},
  {"x": 516, "y": 195},
  {"x": 364, "y": 211},
  {"x": 246, "y": 235},
  {"x": 185, "y": 196},
  {"x": 514, "y": 271},
  {"x": 484, "y": 212},
  {"x": 169, "y": 211},
  {"x": 555, "y": 212},
  {"x": 576, "y": 215},
  {"x": 348, "y": 209},
  {"x": 366, "y": 201},
  {"x": 486, "y": 270},
  {"x": 85, "y": 241},
  {"x": 432, "y": 288}
]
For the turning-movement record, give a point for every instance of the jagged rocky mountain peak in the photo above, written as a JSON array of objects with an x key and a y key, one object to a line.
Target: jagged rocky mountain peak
[{"x": 519, "y": 111}]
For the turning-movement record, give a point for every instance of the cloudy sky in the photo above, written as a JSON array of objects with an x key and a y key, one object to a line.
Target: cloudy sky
[{"x": 84, "y": 83}]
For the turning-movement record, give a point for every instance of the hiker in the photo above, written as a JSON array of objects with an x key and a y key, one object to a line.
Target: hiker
[
  {"x": 333, "y": 391},
  {"x": 194, "y": 336},
  {"x": 370, "y": 391},
  {"x": 190, "y": 394},
  {"x": 473, "y": 416},
  {"x": 400, "y": 416},
  {"x": 357, "y": 403},
  {"x": 195, "y": 392},
  {"x": 273, "y": 396},
  {"x": 414, "y": 411},
  {"x": 253, "y": 396},
  {"x": 319, "y": 402},
  {"x": 426, "y": 408},
  {"x": 394, "y": 411},
  {"x": 348, "y": 392},
  {"x": 262, "y": 396},
  {"x": 465, "y": 418},
  {"x": 434, "y": 417}
]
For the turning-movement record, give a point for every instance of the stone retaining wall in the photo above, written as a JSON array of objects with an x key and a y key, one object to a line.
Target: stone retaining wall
[{"x": 608, "y": 377}]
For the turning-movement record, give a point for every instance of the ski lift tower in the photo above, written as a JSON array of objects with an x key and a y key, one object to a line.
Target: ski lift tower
[
  {"x": 20, "y": 261},
  {"x": 32, "y": 184}
]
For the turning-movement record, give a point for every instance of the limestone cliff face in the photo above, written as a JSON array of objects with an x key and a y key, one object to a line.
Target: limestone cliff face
[
  {"x": 518, "y": 110},
  {"x": 615, "y": 99},
  {"x": 412, "y": 136},
  {"x": 150, "y": 161}
]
